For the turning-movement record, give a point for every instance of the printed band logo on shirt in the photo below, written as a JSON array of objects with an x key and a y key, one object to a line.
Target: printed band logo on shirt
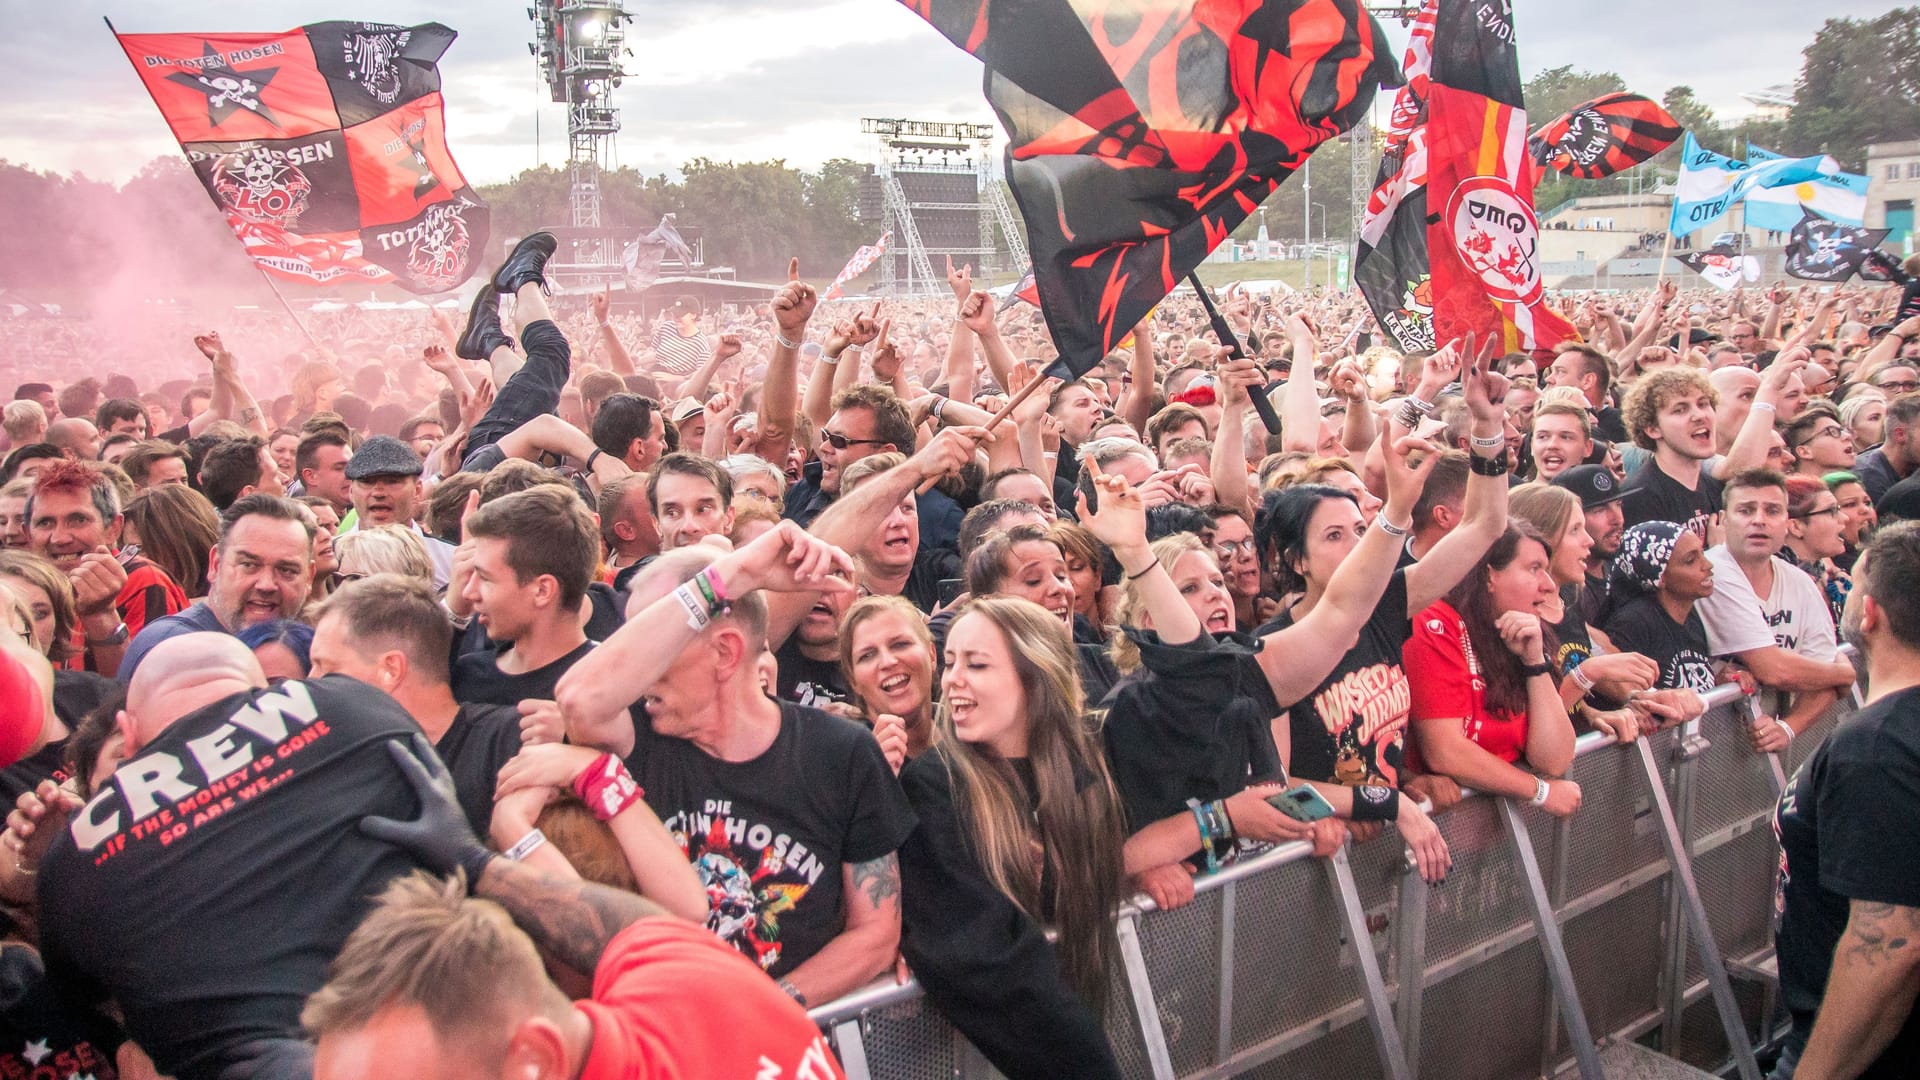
[
  {"x": 166, "y": 795},
  {"x": 752, "y": 875}
]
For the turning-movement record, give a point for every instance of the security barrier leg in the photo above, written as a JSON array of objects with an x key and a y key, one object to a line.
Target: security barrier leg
[
  {"x": 1411, "y": 956},
  {"x": 1697, "y": 926},
  {"x": 851, "y": 1047},
  {"x": 1551, "y": 944},
  {"x": 1386, "y": 1037},
  {"x": 1145, "y": 1008}
]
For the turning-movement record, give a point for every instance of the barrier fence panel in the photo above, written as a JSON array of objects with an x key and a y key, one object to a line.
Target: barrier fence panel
[{"x": 1290, "y": 966}]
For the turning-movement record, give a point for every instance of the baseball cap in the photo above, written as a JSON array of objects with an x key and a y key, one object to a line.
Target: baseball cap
[
  {"x": 383, "y": 455},
  {"x": 1593, "y": 483}
]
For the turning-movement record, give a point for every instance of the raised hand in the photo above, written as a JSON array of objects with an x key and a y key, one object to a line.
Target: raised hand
[
  {"x": 727, "y": 347},
  {"x": 97, "y": 579},
  {"x": 474, "y": 406},
  {"x": 437, "y": 358},
  {"x": 1404, "y": 479},
  {"x": 885, "y": 359},
  {"x": 960, "y": 281},
  {"x": 1121, "y": 522},
  {"x": 949, "y": 451},
  {"x": 977, "y": 314},
  {"x": 601, "y": 302},
  {"x": 793, "y": 305},
  {"x": 786, "y": 558},
  {"x": 1486, "y": 390}
]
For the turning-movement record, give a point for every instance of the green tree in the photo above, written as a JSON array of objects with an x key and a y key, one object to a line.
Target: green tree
[{"x": 1859, "y": 84}]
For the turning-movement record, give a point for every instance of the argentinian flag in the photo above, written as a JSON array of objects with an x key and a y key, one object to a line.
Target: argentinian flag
[
  {"x": 1834, "y": 195},
  {"x": 1711, "y": 183}
]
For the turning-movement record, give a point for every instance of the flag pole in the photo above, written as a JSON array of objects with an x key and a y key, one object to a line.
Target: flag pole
[
  {"x": 1261, "y": 404},
  {"x": 1665, "y": 251}
]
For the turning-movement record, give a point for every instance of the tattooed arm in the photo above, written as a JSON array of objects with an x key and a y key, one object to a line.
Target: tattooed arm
[
  {"x": 870, "y": 902},
  {"x": 1876, "y": 972},
  {"x": 573, "y": 920}
]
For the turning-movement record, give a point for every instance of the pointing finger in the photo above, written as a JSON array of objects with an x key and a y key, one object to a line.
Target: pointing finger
[{"x": 793, "y": 269}]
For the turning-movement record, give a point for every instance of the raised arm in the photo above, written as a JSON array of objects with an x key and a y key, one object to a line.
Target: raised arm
[
  {"x": 616, "y": 352},
  {"x": 1300, "y": 401},
  {"x": 1362, "y": 427},
  {"x": 1751, "y": 442},
  {"x": 231, "y": 398},
  {"x": 725, "y": 348},
  {"x": 1228, "y": 466},
  {"x": 780, "y": 394},
  {"x": 822, "y": 384},
  {"x": 977, "y": 315},
  {"x": 1121, "y": 524},
  {"x": 1485, "y": 516}
]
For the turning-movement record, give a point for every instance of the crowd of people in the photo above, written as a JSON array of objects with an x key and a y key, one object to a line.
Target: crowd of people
[{"x": 593, "y": 694}]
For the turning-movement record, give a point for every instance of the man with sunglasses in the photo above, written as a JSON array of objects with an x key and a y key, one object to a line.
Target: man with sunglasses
[
  {"x": 1819, "y": 442},
  {"x": 868, "y": 420}
]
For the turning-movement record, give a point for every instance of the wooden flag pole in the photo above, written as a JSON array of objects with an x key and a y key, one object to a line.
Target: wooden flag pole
[{"x": 1665, "y": 252}]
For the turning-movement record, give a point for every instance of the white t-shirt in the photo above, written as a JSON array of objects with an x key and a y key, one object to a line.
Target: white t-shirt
[{"x": 1793, "y": 615}]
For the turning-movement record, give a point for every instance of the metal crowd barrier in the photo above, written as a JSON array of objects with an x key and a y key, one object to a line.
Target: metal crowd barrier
[{"x": 1643, "y": 920}]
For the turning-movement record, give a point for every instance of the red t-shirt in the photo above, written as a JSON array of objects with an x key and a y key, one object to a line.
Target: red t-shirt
[
  {"x": 149, "y": 594},
  {"x": 671, "y": 1000},
  {"x": 1447, "y": 685},
  {"x": 22, "y": 709}
]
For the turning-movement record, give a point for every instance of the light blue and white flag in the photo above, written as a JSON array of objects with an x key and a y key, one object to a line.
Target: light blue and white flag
[
  {"x": 1834, "y": 195},
  {"x": 1711, "y": 183}
]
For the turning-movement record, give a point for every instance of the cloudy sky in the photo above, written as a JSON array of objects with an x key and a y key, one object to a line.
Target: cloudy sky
[{"x": 756, "y": 79}]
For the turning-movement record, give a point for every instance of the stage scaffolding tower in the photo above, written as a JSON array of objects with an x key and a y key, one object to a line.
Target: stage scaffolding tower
[{"x": 579, "y": 46}]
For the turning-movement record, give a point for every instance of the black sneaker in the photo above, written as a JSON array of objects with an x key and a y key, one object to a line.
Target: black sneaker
[
  {"x": 483, "y": 333},
  {"x": 527, "y": 263}
]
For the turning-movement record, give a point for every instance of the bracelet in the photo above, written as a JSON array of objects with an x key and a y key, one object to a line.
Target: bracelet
[
  {"x": 718, "y": 588},
  {"x": 1491, "y": 442},
  {"x": 1375, "y": 802},
  {"x": 1497, "y": 465},
  {"x": 939, "y": 403},
  {"x": 593, "y": 457},
  {"x": 1540, "y": 792},
  {"x": 1786, "y": 727},
  {"x": 1388, "y": 527},
  {"x": 1582, "y": 680},
  {"x": 793, "y": 992},
  {"x": 1765, "y": 406},
  {"x": 784, "y": 343},
  {"x": 698, "y": 613},
  {"x": 1424, "y": 407},
  {"x": 827, "y": 358},
  {"x": 528, "y": 845},
  {"x": 606, "y": 787},
  {"x": 1144, "y": 571},
  {"x": 21, "y": 868},
  {"x": 1533, "y": 671},
  {"x": 1408, "y": 416}
]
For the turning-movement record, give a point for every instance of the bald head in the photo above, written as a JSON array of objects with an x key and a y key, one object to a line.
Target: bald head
[
  {"x": 1728, "y": 380},
  {"x": 77, "y": 437},
  {"x": 183, "y": 674}
]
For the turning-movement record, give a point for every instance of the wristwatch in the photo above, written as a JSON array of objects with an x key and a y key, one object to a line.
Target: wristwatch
[{"x": 118, "y": 637}]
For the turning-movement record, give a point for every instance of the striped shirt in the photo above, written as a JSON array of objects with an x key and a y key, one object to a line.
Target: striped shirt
[{"x": 676, "y": 354}]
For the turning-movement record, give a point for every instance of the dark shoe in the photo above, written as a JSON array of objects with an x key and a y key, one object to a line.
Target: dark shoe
[
  {"x": 527, "y": 263},
  {"x": 483, "y": 333}
]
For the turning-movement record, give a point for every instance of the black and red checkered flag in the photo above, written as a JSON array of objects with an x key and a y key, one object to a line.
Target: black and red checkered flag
[
  {"x": 1141, "y": 132},
  {"x": 1609, "y": 134},
  {"x": 325, "y": 147}
]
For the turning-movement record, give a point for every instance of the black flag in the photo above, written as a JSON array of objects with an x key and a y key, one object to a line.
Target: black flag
[{"x": 1821, "y": 249}]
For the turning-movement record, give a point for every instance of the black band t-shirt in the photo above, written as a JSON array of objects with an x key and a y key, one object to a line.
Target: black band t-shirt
[
  {"x": 1651, "y": 495},
  {"x": 482, "y": 739},
  {"x": 1845, "y": 823},
  {"x": 478, "y": 680},
  {"x": 1681, "y": 649},
  {"x": 210, "y": 881},
  {"x": 806, "y": 681},
  {"x": 769, "y": 838}
]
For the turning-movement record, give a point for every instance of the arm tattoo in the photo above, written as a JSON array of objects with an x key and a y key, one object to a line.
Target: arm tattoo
[
  {"x": 1877, "y": 932},
  {"x": 879, "y": 879},
  {"x": 574, "y": 920}
]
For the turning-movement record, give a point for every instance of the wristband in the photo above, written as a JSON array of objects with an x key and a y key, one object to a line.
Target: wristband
[
  {"x": 474, "y": 863},
  {"x": 1388, "y": 527},
  {"x": 1536, "y": 670},
  {"x": 784, "y": 343},
  {"x": 593, "y": 457},
  {"x": 606, "y": 787},
  {"x": 1582, "y": 680},
  {"x": 1497, "y": 465},
  {"x": 939, "y": 403},
  {"x": 528, "y": 844},
  {"x": 1375, "y": 802},
  {"x": 793, "y": 992},
  {"x": 827, "y": 358},
  {"x": 1540, "y": 792},
  {"x": 1786, "y": 727},
  {"x": 1425, "y": 408},
  {"x": 698, "y": 614},
  {"x": 1490, "y": 442},
  {"x": 718, "y": 587},
  {"x": 1765, "y": 406}
]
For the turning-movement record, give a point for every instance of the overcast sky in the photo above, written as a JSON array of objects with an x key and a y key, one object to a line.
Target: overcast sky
[{"x": 757, "y": 79}]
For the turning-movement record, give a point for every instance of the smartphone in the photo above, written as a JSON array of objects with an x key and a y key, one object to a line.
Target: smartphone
[
  {"x": 949, "y": 589},
  {"x": 1302, "y": 804}
]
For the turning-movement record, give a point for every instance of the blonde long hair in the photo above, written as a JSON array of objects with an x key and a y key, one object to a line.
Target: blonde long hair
[
  {"x": 1167, "y": 551},
  {"x": 1074, "y": 835}
]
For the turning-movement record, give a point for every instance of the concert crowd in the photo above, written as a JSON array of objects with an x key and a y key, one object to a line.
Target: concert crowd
[{"x": 571, "y": 693}]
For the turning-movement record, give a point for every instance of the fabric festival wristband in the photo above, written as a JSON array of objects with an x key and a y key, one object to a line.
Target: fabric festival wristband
[
  {"x": 1540, "y": 792},
  {"x": 1581, "y": 680},
  {"x": 1389, "y": 527},
  {"x": 1786, "y": 727},
  {"x": 697, "y": 616},
  {"x": 528, "y": 844},
  {"x": 1375, "y": 802},
  {"x": 1764, "y": 406},
  {"x": 784, "y": 343},
  {"x": 712, "y": 578},
  {"x": 606, "y": 787}
]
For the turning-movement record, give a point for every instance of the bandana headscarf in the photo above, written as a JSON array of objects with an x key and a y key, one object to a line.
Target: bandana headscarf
[{"x": 1644, "y": 552}]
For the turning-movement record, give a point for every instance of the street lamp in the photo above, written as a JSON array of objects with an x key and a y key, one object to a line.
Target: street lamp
[{"x": 1322, "y": 207}]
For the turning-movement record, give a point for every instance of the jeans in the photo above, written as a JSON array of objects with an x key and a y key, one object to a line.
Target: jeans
[{"x": 533, "y": 391}]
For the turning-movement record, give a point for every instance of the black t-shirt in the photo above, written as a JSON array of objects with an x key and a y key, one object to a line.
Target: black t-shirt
[
  {"x": 809, "y": 682},
  {"x": 1572, "y": 643},
  {"x": 75, "y": 694},
  {"x": 216, "y": 874},
  {"x": 1651, "y": 495},
  {"x": 1846, "y": 828},
  {"x": 1681, "y": 650},
  {"x": 1352, "y": 729},
  {"x": 478, "y": 680},
  {"x": 40, "y": 1036},
  {"x": 931, "y": 566},
  {"x": 1194, "y": 721},
  {"x": 770, "y": 838},
  {"x": 481, "y": 740},
  {"x": 608, "y": 613},
  {"x": 1608, "y": 424}
]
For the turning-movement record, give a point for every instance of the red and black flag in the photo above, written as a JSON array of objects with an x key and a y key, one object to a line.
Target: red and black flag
[
  {"x": 1141, "y": 132},
  {"x": 1390, "y": 260},
  {"x": 1024, "y": 289},
  {"x": 1605, "y": 136},
  {"x": 1483, "y": 240},
  {"x": 325, "y": 147}
]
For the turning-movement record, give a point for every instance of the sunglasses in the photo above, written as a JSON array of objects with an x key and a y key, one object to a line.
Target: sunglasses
[
  {"x": 337, "y": 579},
  {"x": 841, "y": 442}
]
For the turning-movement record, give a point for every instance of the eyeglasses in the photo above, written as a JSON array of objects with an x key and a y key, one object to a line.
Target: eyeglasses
[
  {"x": 1834, "y": 510},
  {"x": 337, "y": 579},
  {"x": 1831, "y": 431},
  {"x": 841, "y": 442},
  {"x": 1899, "y": 386},
  {"x": 1227, "y": 549}
]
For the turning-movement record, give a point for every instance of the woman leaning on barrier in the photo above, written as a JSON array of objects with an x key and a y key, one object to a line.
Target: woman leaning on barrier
[
  {"x": 1485, "y": 708},
  {"x": 1018, "y": 827},
  {"x": 1190, "y": 730}
]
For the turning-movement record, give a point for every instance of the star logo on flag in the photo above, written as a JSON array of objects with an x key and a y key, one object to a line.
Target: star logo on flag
[
  {"x": 36, "y": 1050},
  {"x": 226, "y": 89}
]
